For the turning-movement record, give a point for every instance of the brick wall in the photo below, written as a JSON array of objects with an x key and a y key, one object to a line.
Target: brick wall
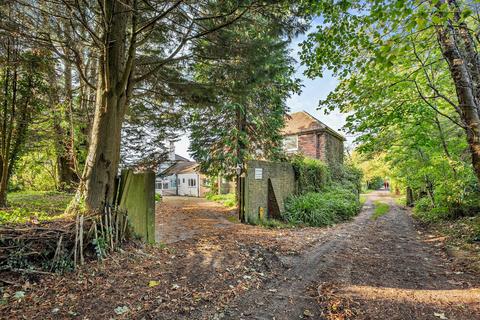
[
  {"x": 333, "y": 149},
  {"x": 282, "y": 179},
  {"x": 307, "y": 144}
]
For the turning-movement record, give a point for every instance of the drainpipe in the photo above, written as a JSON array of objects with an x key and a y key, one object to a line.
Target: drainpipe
[{"x": 176, "y": 184}]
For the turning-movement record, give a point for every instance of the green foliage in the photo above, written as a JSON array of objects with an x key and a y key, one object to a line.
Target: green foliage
[
  {"x": 100, "y": 246},
  {"x": 158, "y": 197},
  {"x": 240, "y": 118},
  {"x": 24, "y": 206},
  {"x": 321, "y": 209},
  {"x": 228, "y": 200},
  {"x": 399, "y": 93},
  {"x": 275, "y": 224},
  {"x": 347, "y": 176},
  {"x": 381, "y": 208},
  {"x": 312, "y": 175},
  {"x": 446, "y": 209},
  {"x": 315, "y": 176},
  {"x": 375, "y": 184},
  {"x": 362, "y": 199},
  {"x": 326, "y": 194}
]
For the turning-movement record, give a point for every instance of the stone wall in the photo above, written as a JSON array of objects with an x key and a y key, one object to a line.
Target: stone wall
[{"x": 282, "y": 184}]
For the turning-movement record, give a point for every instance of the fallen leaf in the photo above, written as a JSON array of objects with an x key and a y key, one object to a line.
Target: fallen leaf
[
  {"x": 307, "y": 313},
  {"x": 121, "y": 310},
  {"x": 19, "y": 295},
  {"x": 440, "y": 315},
  {"x": 153, "y": 283}
]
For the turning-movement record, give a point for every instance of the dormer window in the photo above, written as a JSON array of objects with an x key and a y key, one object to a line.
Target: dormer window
[{"x": 290, "y": 143}]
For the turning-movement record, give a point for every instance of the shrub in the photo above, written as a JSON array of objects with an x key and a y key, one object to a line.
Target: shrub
[
  {"x": 321, "y": 209},
  {"x": 312, "y": 175},
  {"x": 426, "y": 212},
  {"x": 348, "y": 177}
]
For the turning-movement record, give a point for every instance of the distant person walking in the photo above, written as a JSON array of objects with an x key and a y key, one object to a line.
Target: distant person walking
[{"x": 386, "y": 185}]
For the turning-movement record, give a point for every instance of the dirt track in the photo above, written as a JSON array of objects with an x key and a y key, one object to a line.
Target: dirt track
[
  {"x": 209, "y": 267},
  {"x": 366, "y": 269}
]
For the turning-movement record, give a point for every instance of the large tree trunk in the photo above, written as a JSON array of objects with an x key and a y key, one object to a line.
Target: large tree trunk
[
  {"x": 240, "y": 153},
  {"x": 458, "y": 50},
  {"x": 97, "y": 187}
]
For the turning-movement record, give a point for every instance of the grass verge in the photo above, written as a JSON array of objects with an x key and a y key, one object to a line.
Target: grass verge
[
  {"x": 227, "y": 200},
  {"x": 381, "y": 209}
]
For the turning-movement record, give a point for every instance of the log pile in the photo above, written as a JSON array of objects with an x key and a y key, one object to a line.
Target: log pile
[{"x": 61, "y": 245}]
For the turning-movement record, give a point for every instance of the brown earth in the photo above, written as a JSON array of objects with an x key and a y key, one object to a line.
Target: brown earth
[{"x": 209, "y": 267}]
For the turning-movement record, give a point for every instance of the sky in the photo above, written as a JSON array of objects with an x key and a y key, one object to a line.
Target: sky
[{"x": 312, "y": 92}]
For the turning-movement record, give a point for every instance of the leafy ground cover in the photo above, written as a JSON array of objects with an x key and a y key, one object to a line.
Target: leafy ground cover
[
  {"x": 460, "y": 237},
  {"x": 208, "y": 268},
  {"x": 34, "y": 205}
]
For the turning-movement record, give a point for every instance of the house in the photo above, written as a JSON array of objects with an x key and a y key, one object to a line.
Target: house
[
  {"x": 183, "y": 179},
  {"x": 180, "y": 176},
  {"x": 304, "y": 134}
]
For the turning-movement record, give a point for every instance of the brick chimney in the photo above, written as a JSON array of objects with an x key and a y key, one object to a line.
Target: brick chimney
[{"x": 171, "y": 151}]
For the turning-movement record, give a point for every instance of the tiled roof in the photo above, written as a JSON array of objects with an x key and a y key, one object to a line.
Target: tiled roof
[
  {"x": 181, "y": 167},
  {"x": 302, "y": 121}
]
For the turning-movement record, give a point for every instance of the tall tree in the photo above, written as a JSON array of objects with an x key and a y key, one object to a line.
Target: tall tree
[
  {"x": 21, "y": 97},
  {"x": 249, "y": 84},
  {"x": 358, "y": 36},
  {"x": 135, "y": 41}
]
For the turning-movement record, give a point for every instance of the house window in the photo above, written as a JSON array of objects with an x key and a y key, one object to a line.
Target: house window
[
  {"x": 158, "y": 185},
  {"x": 192, "y": 182},
  {"x": 165, "y": 185},
  {"x": 290, "y": 143},
  {"x": 173, "y": 184},
  {"x": 183, "y": 180}
]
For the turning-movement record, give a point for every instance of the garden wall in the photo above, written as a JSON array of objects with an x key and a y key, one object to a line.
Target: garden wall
[{"x": 267, "y": 185}]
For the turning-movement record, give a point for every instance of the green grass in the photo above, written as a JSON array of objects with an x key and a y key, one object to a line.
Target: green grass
[
  {"x": 381, "y": 209},
  {"x": 362, "y": 199},
  {"x": 276, "y": 224},
  {"x": 228, "y": 200},
  {"x": 43, "y": 205},
  {"x": 233, "y": 219}
]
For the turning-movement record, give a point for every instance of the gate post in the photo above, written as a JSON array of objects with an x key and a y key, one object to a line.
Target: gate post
[{"x": 137, "y": 197}]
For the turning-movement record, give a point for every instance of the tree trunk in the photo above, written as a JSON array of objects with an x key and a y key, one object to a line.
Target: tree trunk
[
  {"x": 66, "y": 158},
  {"x": 97, "y": 188},
  {"x": 410, "y": 201},
  {"x": 240, "y": 153},
  {"x": 462, "y": 73}
]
